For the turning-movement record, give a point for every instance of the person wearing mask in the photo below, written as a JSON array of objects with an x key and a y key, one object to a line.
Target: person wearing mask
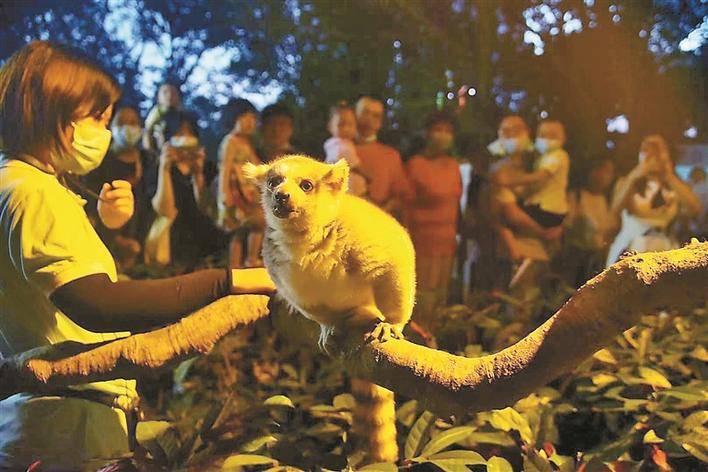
[
  {"x": 183, "y": 232},
  {"x": 380, "y": 164},
  {"x": 342, "y": 127},
  {"x": 124, "y": 161},
  {"x": 168, "y": 98},
  {"x": 648, "y": 200},
  {"x": 515, "y": 155},
  {"x": 590, "y": 226},
  {"x": 58, "y": 281},
  {"x": 240, "y": 212},
  {"x": 431, "y": 212},
  {"x": 277, "y": 126}
]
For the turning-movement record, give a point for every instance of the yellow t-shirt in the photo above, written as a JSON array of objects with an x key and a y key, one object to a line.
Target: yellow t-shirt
[{"x": 46, "y": 242}]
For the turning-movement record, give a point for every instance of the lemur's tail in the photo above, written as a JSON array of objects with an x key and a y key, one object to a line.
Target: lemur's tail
[{"x": 375, "y": 421}]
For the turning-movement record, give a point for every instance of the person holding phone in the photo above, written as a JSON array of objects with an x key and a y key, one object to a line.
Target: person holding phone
[
  {"x": 181, "y": 198},
  {"x": 57, "y": 279}
]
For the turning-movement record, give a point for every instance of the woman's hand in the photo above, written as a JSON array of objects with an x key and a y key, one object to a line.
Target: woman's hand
[
  {"x": 116, "y": 205},
  {"x": 253, "y": 281},
  {"x": 168, "y": 156}
]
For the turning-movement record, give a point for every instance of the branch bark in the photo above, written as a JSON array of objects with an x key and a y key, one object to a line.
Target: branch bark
[
  {"x": 52, "y": 367},
  {"x": 603, "y": 308}
]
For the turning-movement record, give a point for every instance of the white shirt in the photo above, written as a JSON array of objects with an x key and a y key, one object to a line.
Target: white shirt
[
  {"x": 551, "y": 195},
  {"x": 46, "y": 241}
]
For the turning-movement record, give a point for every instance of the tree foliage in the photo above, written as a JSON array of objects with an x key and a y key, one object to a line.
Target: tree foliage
[{"x": 600, "y": 59}]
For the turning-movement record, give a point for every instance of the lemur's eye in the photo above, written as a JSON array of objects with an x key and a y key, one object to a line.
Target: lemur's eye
[
  {"x": 306, "y": 186},
  {"x": 274, "y": 181}
]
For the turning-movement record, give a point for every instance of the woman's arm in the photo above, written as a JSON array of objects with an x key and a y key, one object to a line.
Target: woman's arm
[
  {"x": 163, "y": 202},
  {"x": 686, "y": 196},
  {"x": 98, "y": 304},
  {"x": 623, "y": 190}
]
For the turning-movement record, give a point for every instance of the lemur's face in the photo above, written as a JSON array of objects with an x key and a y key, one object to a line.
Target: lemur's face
[{"x": 299, "y": 192}]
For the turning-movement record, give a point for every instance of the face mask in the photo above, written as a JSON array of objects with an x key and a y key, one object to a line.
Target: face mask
[
  {"x": 89, "y": 147},
  {"x": 544, "y": 145},
  {"x": 184, "y": 141},
  {"x": 510, "y": 145},
  {"x": 126, "y": 136},
  {"x": 441, "y": 141},
  {"x": 642, "y": 157}
]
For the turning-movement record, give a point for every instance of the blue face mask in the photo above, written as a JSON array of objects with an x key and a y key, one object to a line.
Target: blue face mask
[
  {"x": 544, "y": 145},
  {"x": 510, "y": 145}
]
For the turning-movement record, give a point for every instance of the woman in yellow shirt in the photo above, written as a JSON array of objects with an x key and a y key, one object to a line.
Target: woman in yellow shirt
[{"x": 57, "y": 279}]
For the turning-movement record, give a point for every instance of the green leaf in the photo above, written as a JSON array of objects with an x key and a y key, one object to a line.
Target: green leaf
[
  {"x": 323, "y": 429},
  {"x": 279, "y": 400},
  {"x": 469, "y": 457},
  {"x": 445, "y": 439},
  {"x": 508, "y": 419},
  {"x": 406, "y": 413},
  {"x": 344, "y": 401},
  {"x": 451, "y": 465},
  {"x": 181, "y": 371},
  {"x": 499, "y": 439},
  {"x": 696, "y": 450},
  {"x": 159, "y": 437},
  {"x": 603, "y": 379},
  {"x": 654, "y": 378},
  {"x": 379, "y": 467},
  {"x": 239, "y": 460},
  {"x": 605, "y": 356},
  {"x": 694, "y": 420},
  {"x": 417, "y": 433},
  {"x": 498, "y": 464},
  {"x": 651, "y": 438},
  {"x": 255, "y": 444}
]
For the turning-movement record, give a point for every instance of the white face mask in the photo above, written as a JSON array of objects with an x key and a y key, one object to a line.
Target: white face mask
[
  {"x": 544, "y": 145},
  {"x": 184, "y": 141},
  {"x": 89, "y": 146},
  {"x": 126, "y": 136}
]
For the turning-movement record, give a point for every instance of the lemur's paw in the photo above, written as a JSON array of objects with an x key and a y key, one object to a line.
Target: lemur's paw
[{"x": 383, "y": 331}]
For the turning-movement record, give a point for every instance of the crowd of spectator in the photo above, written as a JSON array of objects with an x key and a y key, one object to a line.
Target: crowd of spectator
[{"x": 520, "y": 217}]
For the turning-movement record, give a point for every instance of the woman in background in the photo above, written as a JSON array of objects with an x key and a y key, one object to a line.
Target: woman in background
[
  {"x": 180, "y": 196},
  {"x": 432, "y": 212},
  {"x": 647, "y": 200}
]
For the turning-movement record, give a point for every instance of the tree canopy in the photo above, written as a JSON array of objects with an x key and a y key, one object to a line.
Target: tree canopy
[{"x": 581, "y": 61}]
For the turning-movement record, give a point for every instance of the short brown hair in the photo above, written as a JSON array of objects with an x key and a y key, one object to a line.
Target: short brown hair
[{"x": 43, "y": 88}]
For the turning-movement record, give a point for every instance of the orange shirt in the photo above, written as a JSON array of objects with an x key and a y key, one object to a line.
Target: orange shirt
[
  {"x": 383, "y": 167},
  {"x": 433, "y": 204}
]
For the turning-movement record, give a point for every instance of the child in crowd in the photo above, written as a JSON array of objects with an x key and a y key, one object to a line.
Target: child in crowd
[
  {"x": 240, "y": 211},
  {"x": 342, "y": 127},
  {"x": 431, "y": 213},
  {"x": 590, "y": 225}
]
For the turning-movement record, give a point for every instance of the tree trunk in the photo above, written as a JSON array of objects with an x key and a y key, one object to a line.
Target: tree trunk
[{"x": 603, "y": 308}]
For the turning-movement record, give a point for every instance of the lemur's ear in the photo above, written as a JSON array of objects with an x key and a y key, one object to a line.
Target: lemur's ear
[
  {"x": 255, "y": 173},
  {"x": 337, "y": 178}
]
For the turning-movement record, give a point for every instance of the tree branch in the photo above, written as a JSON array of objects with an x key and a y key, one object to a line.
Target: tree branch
[
  {"x": 603, "y": 308},
  {"x": 52, "y": 367}
]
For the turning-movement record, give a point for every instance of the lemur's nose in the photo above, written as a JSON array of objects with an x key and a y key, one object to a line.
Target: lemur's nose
[{"x": 282, "y": 197}]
